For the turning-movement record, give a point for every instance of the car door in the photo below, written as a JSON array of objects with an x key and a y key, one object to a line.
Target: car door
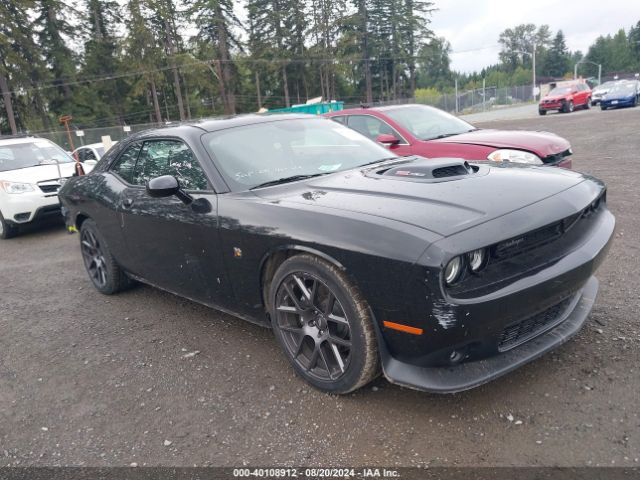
[
  {"x": 584, "y": 93},
  {"x": 371, "y": 127},
  {"x": 173, "y": 245}
]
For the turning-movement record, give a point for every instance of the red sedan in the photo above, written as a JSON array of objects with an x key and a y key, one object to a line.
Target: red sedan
[{"x": 433, "y": 133}]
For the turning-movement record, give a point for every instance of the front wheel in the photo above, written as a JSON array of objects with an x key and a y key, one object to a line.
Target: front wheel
[
  {"x": 569, "y": 107},
  {"x": 588, "y": 104},
  {"x": 7, "y": 230},
  {"x": 104, "y": 272},
  {"x": 602, "y": 107},
  {"x": 323, "y": 325},
  {"x": 542, "y": 112}
]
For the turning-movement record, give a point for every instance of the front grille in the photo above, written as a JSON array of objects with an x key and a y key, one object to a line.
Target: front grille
[
  {"x": 51, "y": 188},
  {"x": 541, "y": 236},
  {"x": 523, "y": 331},
  {"x": 557, "y": 157}
]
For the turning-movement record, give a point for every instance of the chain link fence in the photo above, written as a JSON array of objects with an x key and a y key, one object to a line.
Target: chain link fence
[{"x": 467, "y": 101}]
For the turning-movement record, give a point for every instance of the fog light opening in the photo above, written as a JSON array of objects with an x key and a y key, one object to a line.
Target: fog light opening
[{"x": 456, "y": 357}]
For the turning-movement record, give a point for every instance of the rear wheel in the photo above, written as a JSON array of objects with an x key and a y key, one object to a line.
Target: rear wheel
[
  {"x": 104, "y": 272},
  {"x": 7, "y": 230},
  {"x": 323, "y": 325}
]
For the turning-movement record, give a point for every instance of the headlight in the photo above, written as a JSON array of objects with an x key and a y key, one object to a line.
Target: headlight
[
  {"x": 516, "y": 156},
  {"x": 453, "y": 270},
  {"x": 477, "y": 259},
  {"x": 16, "y": 187}
]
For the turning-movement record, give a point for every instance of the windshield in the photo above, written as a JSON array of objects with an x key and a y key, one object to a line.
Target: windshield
[
  {"x": 31, "y": 154},
  {"x": 623, "y": 88},
  {"x": 560, "y": 91},
  {"x": 605, "y": 86},
  {"x": 255, "y": 154},
  {"x": 427, "y": 123}
]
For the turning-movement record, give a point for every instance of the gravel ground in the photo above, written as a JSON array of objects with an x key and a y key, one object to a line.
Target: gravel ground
[{"x": 149, "y": 378}]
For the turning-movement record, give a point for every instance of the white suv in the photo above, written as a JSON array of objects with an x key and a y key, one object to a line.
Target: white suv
[{"x": 31, "y": 172}]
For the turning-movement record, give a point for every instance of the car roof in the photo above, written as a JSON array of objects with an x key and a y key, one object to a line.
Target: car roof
[
  {"x": 222, "y": 123},
  {"x": 95, "y": 145},
  {"x": 382, "y": 109},
  {"x": 19, "y": 140}
]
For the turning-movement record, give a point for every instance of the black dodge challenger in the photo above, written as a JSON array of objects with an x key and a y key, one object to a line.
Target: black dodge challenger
[{"x": 439, "y": 273}]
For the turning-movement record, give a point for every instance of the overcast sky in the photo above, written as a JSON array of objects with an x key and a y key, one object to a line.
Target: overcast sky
[{"x": 471, "y": 25}]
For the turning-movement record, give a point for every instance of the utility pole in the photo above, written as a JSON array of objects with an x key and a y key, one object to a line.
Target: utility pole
[
  {"x": 533, "y": 67},
  {"x": 457, "y": 106}
]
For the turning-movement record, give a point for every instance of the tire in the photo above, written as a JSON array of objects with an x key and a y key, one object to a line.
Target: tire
[
  {"x": 569, "y": 107},
  {"x": 542, "y": 112},
  {"x": 602, "y": 107},
  {"x": 325, "y": 330},
  {"x": 7, "y": 230},
  {"x": 105, "y": 274},
  {"x": 588, "y": 104}
]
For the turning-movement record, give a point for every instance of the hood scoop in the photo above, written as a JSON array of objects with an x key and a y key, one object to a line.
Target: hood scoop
[{"x": 428, "y": 170}]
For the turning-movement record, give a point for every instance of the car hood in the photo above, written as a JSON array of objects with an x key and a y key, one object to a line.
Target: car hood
[
  {"x": 38, "y": 173},
  {"x": 554, "y": 98},
  {"x": 542, "y": 144},
  {"x": 442, "y": 207}
]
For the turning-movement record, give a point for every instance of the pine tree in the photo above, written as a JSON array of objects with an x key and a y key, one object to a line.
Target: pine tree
[
  {"x": 556, "y": 62},
  {"x": 21, "y": 67},
  {"x": 53, "y": 26},
  {"x": 215, "y": 21},
  {"x": 102, "y": 100},
  {"x": 142, "y": 49},
  {"x": 165, "y": 20}
]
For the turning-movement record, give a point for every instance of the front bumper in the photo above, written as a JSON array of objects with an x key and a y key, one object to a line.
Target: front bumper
[
  {"x": 551, "y": 106},
  {"x": 627, "y": 102},
  {"x": 469, "y": 339},
  {"x": 472, "y": 374},
  {"x": 29, "y": 207}
]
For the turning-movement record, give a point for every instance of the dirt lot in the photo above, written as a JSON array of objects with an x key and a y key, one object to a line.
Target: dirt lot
[{"x": 92, "y": 380}]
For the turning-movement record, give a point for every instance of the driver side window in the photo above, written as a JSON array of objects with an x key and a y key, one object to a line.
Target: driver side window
[
  {"x": 169, "y": 157},
  {"x": 370, "y": 126}
]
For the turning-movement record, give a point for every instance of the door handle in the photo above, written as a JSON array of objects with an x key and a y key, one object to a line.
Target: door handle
[{"x": 127, "y": 202}]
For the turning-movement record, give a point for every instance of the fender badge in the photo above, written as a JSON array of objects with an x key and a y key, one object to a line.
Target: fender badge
[{"x": 237, "y": 253}]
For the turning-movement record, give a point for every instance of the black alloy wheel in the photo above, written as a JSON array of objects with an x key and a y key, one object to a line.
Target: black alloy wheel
[
  {"x": 104, "y": 272},
  {"x": 93, "y": 258},
  {"x": 323, "y": 325}
]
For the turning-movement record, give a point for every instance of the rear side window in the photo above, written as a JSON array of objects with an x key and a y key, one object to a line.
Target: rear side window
[
  {"x": 125, "y": 165},
  {"x": 169, "y": 157}
]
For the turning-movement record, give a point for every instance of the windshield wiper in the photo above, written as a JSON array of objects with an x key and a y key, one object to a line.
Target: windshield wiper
[
  {"x": 379, "y": 161},
  {"x": 292, "y": 178}
]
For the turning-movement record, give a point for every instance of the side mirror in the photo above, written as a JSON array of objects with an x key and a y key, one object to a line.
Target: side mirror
[
  {"x": 164, "y": 186},
  {"x": 387, "y": 139},
  {"x": 167, "y": 186},
  {"x": 91, "y": 163}
]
